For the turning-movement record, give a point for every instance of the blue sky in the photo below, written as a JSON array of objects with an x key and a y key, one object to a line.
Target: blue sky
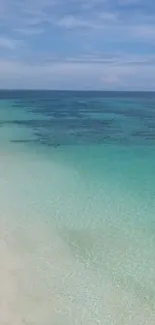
[{"x": 77, "y": 44}]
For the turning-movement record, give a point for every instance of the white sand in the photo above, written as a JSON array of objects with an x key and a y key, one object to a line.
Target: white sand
[{"x": 41, "y": 282}]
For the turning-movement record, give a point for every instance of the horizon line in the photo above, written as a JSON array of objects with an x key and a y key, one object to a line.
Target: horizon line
[{"x": 75, "y": 90}]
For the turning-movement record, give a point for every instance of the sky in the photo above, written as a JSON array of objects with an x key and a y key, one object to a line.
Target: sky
[{"x": 77, "y": 44}]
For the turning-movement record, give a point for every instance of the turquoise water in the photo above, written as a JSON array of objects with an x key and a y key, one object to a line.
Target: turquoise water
[{"x": 77, "y": 188}]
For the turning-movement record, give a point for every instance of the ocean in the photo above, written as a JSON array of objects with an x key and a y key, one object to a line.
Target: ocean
[{"x": 77, "y": 208}]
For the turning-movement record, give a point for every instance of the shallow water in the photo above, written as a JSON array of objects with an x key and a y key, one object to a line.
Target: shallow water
[{"x": 77, "y": 236}]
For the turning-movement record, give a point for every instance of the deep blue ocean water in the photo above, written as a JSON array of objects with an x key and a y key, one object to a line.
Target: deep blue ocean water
[
  {"x": 77, "y": 186},
  {"x": 68, "y": 118}
]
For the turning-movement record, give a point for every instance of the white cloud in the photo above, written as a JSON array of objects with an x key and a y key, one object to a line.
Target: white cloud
[
  {"x": 8, "y": 43},
  {"x": 74, "y": 22},
  {"x": 29, "y": 31},
  {"x": 97, "y": 21},
  {"x": 130, "y": 74},
  {"x": 146, "y": 32}
]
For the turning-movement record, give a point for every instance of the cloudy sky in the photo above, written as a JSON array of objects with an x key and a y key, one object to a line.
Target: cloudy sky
[{"x": 77, "y": 44}]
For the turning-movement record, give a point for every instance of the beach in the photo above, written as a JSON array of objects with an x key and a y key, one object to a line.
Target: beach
[{"x": 76, "y": 230}]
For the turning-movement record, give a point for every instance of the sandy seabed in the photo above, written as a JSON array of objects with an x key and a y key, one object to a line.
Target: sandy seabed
[{"x": 43, "y": 283}]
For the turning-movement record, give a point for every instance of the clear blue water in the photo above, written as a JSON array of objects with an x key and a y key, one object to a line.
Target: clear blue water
[
  {"x": 70, "y": 118},
  {"x": 77, "y": 188}
]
